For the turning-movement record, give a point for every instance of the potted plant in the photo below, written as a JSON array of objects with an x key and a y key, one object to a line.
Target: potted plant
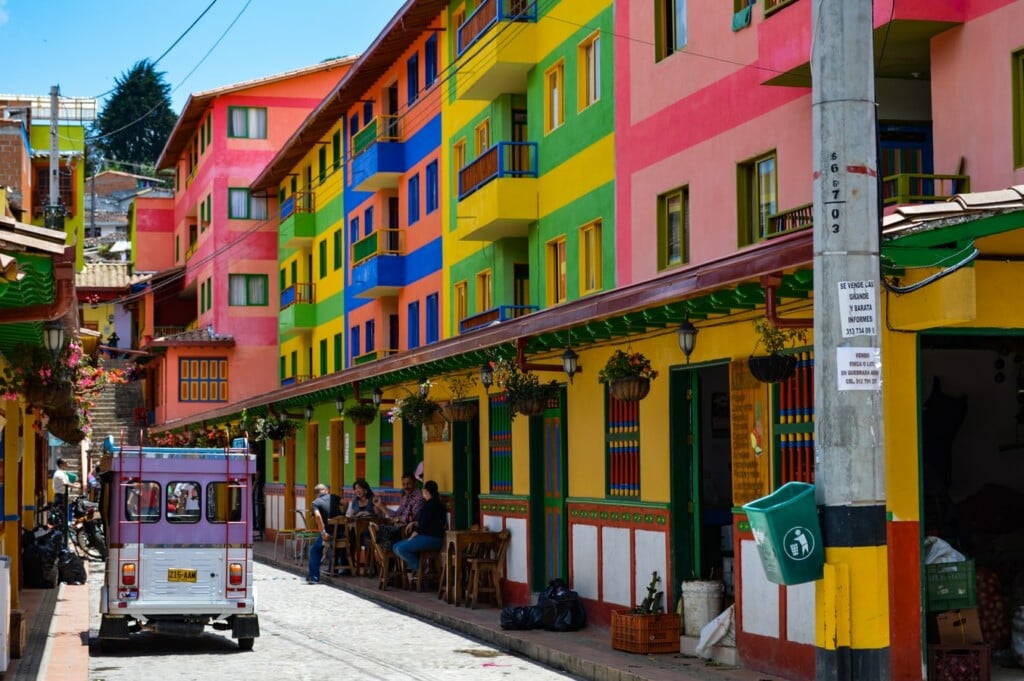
[
  {"x": 628, "y": 375},
  {"x": 415, "y": 409},
  {"x": 774, "y": 366},
  {"x": 646, "y": 628},
  {"x": 460, "y": 408},
  {"x": 270, "y": 428},
  {"x": 523, "y": 390},
  {"x": 361, "y": 413}
]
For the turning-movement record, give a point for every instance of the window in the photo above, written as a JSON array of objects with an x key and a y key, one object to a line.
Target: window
[
  {"x": 336, "y": 150},
  {"x": 371, "y": 335},
  {"x": 353, "y": 337},
  {"x": 202, "y": 379},
  {"x": 353, "y": 128},
  {"x": 412, "y": 72},
  {"x": 322, "y": 257},
  {"x": 757, "y": 183},
  {"x": 458, "y": 162},
  {"x": 247, "y": 122},
  {"x": 589, "y": 61},
  {"x": 244, "y": 206},
  {"x": 177, "y": 248},
  {"x": 431, "y": 188},
  {"x": 554, "y": 97},
  {"x": 430, "y": 61},
  {"x": 337, "y": 352},
  {"x": 461, "y": 302},
  {"x": 670, "y": 27},
  {"x": 590, "y": 257},
  {"x": 483, "y": 291},
  {"x": 414, "y": 199},
  {"x": 202, "y": 297},
  {"x": 323, "y": 356},
  {"x": 482, "y": 134},
  {"x": 368, "y": 221},
  {"x": 209, "y": 293},
  {"x": 673, "y": 227},
  {"x": 247, "y": 289},
  {"x": 209, "y": 130},
  {"x": 433, "y": 323},
  {"x": 293, "y": 359},
  {"x": 322, "y": 163},
  {"x": 367, "y": 112},
  {"x": 183, "y": 501},
  {"x": 622, "y": 447},
  {"x": 224, "y": 502},
  {"x": 142, "y": 501},
  {"x": 500, "y": 443},
  {"x": 412, "y": 313},
  {"x": 556, "y": 284},
  {"x": 1017, "y": 68},
  {"x": 353, "y": 230},
  {"x": 338, "y": 247}
]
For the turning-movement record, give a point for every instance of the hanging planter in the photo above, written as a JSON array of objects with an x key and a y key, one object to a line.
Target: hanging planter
[
  {"x": 435, "y": 429},
  {"x": 361, "y": 414},
  {"x": 461, "y": 411},
  {"x": 529, "y": 406},
  {"x": 630, "y": 388},
  {"x": 772, "y": 368},
  {"x": 523, "y": 390},
  {"x": 47, "y": 394}
]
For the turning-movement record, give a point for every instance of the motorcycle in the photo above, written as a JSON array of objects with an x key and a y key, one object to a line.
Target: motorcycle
[{"x": 87, "y": 529}]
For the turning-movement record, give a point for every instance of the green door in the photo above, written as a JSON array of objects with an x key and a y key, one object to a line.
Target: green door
[
  {"x": 684, "y": 424},
  {"x": 466, "y": 472},
  {"x": 548, "y": 489}
]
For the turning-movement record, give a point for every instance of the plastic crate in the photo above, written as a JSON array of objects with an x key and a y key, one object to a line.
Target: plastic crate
[
  {"x": 645, "y": 633},
  {"x": 950, "y": 586},
  {"x": 959, "y": 663}
]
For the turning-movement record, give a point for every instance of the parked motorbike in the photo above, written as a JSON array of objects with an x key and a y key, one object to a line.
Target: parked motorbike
[{"x": 87, "y": 531}]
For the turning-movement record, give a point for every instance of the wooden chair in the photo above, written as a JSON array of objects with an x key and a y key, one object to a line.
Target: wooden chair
[
  {"x": 430, "y": 569},
  {"x": 387, "y": 562},
  {"x": 338, "y": 527},
  {"x": 485, "y": 572}
]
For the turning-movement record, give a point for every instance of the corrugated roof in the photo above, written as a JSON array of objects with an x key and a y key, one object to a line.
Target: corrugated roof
[
  {"x": 205, "y": 336},
  {"x": 962, "y": 208},
  {"x": 198, "y": 102},
  {"x": 413, "y": 18},
  {"x": 107, "y": 275}
]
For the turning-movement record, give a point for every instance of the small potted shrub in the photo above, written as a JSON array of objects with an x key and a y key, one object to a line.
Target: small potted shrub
[
  {"x": 460, "y": 408},
  {"x": 646, "y": 628},
  {"x": 628, "y": 375},
  {"x": 415, "y": 409},
  {"x": 774, "y": 366},
  {"x": 523, "y": 390}
]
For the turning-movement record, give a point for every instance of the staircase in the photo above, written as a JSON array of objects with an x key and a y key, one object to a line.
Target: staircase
[{"x": 115, "y": 412}]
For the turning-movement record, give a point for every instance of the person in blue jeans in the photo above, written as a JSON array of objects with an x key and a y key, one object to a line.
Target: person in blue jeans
[
  {"x": 426, "y": 532},
  {"x": 321, "y": 511}
]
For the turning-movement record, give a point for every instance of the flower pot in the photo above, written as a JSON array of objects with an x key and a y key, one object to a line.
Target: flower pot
[
  {"x": 460, "y": 411},
  {"x": 529, "y": 406},
  {"x": 637, "y": 633},
  {"x": 773, "y": 368},
  {"x": 48, "y": 395},
  {"x": 630, "y": 388},
  {"x": 361, "y": 419}
]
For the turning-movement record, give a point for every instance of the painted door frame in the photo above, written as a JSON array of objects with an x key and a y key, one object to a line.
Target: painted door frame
[
  {"x": 466, "y": 472},
  {"x": 541, "y": 537}
]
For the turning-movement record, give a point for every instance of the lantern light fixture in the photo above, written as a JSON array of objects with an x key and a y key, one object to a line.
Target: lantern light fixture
[
  {"x": 487, "y": 376},
  {"x": 53, "y": 336},
  {"x": 339, "y": 402},
  {"x": 309, "y": 412},
  {"x": 424, "y": 386},
  {"x": 687, "y": 338},
  {"x": 378, "y": 396},
  {"x": 570, "y": 362}
]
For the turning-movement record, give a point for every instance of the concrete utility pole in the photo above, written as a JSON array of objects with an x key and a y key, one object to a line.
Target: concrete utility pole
[
  {"x": 54, "y": 212},
  {"x": 852, "y": 634}
]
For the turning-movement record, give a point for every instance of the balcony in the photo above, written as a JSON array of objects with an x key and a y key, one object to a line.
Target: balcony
[
  {"x": 495, "y": 315},
  {"x": 298, "y": 310},
  {"x": 371, "y": 356},
  {"x": 292, "y": 380},
  {"x": 378, "y": 265},
  {"x": 378, "y": 154},
  {"x": 489, "y": 66},
  {"x": 792, "y": 220},
  {"x": 498, "y": 192},
  {"x": 298, "y": 221},
  {"x": 922, "y": 188}
]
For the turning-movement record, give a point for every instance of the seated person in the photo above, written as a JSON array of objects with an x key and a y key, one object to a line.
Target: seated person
[
  {"x": 362, "y": 506},
  {"x": 426, "y": 533},
  {"x": 409, "y": 508}
]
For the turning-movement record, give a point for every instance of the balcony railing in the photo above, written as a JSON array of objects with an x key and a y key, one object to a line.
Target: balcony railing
[
  {"x": 370, "y": 356},
  {"x": 489, "y": 13},
  {"x": 922, "y": 187},
  {"x": 299, "y": 378},
  {"x": 771, "y": 6},
  {"x": 495, "y": 315},
  {"x": 299, "y": 202},
  {"x": 504, "y": 159},
  {"x": 379, "y": 242},
  {"x": 792, "y": 220},
  {"x": 191, "y": 250},
  {"x": 298, "y": 293},
  {"x": 380, "y": 129},
  {"x": 167, "y": 330}
]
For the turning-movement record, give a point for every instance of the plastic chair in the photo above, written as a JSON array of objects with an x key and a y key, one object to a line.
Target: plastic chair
[
  {"x": 485, "y": 572},
  {"x": 304, "y": 537}
]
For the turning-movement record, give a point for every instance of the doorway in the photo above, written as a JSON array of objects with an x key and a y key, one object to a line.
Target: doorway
[
  {"x": 466, "y": 472},
  {"x": 701, "y": 473},
  {"x": 548, "y": 490}
]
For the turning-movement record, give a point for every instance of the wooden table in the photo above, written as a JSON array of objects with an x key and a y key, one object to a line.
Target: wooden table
[{"x": 456, "y": 546}]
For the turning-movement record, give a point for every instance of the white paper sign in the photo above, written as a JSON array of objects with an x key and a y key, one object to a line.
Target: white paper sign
[
  {"x": 859, "y": 368},
  {"x": 346, "y": 449},
  {"x": 857, "y": 309}
]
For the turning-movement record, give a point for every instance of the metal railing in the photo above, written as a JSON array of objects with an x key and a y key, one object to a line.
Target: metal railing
[
  {"x": 792, "y": 220},
  {"x": 504, "y": 159},
  {"x": 922, "y": 187},
  {"x": 298, "y": 293},
  {"x": 771, "y": 6},
  {"x": 299, "y": 202},
  {"x": 488, "y": 13},
  {"x": 495, "y": 315},
  {"x": 378, "y": 242},
  {"x": 381, "y": 129}
]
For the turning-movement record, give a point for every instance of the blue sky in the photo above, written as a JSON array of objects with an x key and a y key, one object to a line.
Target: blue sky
[{"x": 83, "y": 45}]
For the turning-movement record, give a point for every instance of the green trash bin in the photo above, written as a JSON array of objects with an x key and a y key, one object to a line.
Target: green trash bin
[{"x": 787, "y": 534}]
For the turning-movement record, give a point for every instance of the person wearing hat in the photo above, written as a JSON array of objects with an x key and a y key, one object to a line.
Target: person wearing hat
[{"x": 426, "y": 533}]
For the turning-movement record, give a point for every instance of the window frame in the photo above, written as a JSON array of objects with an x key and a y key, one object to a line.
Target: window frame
[
  {"x": 589, "y": 71},
  {"x": 251, "y": 202},
  {"x": 248, "y": 277},
  {"x": 669, "y": 38},
  {"x": 591, "y": 258},
  {"x": 1017, "y": 86},
  {"x": 412, "y": 190},
  {"x": 557, "y": 283},
  {"x": 484, "y": 292},
  {"x": 752, "y": 221},
  {"x": 233, "y": 134},
  {"x": 461, "y": 298},
  {"x": 210, "y": 373},
  {"x": 554, "y": 97},
  {"x": 431, "y": 191},
  {"x": 412, "y": 79},
  {"x": 665, "y": 256},
  {"x": 433, "y": 322},
  {"x": 412, "y": 318}
]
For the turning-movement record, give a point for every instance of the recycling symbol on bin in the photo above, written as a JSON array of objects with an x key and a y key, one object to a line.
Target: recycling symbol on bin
[{"x": 798, "y": 543}]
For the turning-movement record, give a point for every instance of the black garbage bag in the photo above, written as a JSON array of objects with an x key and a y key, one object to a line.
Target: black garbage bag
[
  {"x": 561, "y": 608},
  {"x": 39, "y": 551},
  {"x": 521, "y": 617},
  {"x": 72, "y": 568}
]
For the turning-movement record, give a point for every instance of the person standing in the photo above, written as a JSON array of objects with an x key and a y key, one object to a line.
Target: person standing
[
  {"x": 61, "y": 485},
  {"x": 320, "y": 512},
  {"x": 426, "y": 533}
]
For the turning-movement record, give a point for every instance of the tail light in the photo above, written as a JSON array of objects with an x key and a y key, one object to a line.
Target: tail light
[
  {"x": 128, "y": 574},
  {"x": 235, "y": 574}
]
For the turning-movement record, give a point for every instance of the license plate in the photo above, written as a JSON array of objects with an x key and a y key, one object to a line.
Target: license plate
[{"x": 181, "y": 575}]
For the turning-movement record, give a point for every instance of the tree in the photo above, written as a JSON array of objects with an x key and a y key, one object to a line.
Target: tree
[{"x": 137, "y": 119}]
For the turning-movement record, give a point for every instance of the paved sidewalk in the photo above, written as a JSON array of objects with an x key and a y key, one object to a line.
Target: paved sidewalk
[
  {"x": 57, "y": 641},
  {"x": 586, "y": 653}
]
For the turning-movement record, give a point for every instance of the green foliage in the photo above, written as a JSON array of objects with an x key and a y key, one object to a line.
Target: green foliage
[
  {"x": 363, "y": 411},
  {"x": 522, "y": 386},
  {"x": 414, "y": 409},
  {"x": 623, "y": 364},
  {"x": 271, "y": 428},
  {"x": 652, "y": 604},
  {"x": 137, "y": 118},
  {"x": 460, "y": 385},
  {"x": 774, "y": 339}
]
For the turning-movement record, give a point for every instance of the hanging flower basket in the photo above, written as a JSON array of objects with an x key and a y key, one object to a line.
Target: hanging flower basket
[
  {"x": 66, "y": 426},
  {"x": 773, "y": 368},
  {"x": 461, "y": 411},
  {"x": 435, "y": 429},
  {"x": 361, "y": 414},
  {"x": 630, "y": 388},
  {"x": 414, "y": 409},
  {"x": 529, "y": 406},
  {"x": 47, "y": 394}
]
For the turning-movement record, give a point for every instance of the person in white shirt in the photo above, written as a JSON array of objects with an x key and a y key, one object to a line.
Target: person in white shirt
[{"x": 61, "y": 484}]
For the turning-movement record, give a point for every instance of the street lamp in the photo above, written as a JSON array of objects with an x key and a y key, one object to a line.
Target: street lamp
[
  {"x": 339, "y": 402},
  {"x": 377, "y": 396},
  {"x": 309, "y": 411},
  {"x": 424, "y": 386},
  {"x": 570, "y": 362},
  {"x": 687, "y": 338},
  {"x": 487, "y": 376},
  {"x": 53, "y": 336}
]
